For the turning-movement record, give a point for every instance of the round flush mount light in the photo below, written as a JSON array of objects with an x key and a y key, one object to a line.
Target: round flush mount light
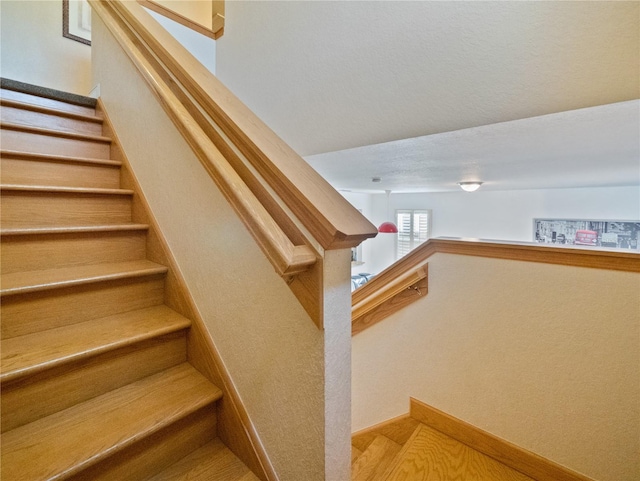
[{"x": 469, "y": 186}]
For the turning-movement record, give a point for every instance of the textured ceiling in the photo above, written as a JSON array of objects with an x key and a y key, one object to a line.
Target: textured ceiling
[
  {"x": 330, "y": 76},
  {"x": 580, "y": 148}
]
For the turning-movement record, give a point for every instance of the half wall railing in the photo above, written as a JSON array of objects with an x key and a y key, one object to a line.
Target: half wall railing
[
  {"x": 406, "y": 280},
  {"x": 293, "y": 214}
]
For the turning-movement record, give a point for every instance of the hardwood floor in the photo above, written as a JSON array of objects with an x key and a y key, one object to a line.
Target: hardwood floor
[{"x": 426, "y": 455}]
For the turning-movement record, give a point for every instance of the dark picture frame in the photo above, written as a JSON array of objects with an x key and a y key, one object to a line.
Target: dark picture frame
[{"x": 71, "y": 12}]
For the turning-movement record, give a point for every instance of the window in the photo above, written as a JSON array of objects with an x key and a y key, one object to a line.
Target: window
[{"x": 414, "y": 227}]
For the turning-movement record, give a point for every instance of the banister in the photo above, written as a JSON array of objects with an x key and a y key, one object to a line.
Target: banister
[
  {"x": 332, "y": 221},
  {"x": 287, "y": 258},
  {"x": 217, "y": 21},
  {"x": 388, "y": 291},
  {"x": 382, "y": 288}
]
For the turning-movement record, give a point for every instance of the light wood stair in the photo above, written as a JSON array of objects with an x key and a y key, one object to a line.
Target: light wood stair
[
  {"x": 95, "y": 377},
  {"x": 408, "y": 450}
]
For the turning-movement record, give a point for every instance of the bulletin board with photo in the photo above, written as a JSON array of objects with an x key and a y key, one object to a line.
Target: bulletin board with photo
[{"x": 617, "y": 234}]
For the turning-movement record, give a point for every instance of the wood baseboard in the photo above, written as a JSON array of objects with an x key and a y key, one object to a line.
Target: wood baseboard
[{"x": 517, "y": 458}]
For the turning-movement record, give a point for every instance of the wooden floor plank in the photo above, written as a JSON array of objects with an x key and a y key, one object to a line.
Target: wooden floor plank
[
  {"x": 68, "y": 441},
  {"x": 212, "y": 462},
  {"x": 355, "y": 454},
  {"x": 374, "y": 461},
  {"x": 432, "y": 456},
  {"x": 397, "y": 429}
]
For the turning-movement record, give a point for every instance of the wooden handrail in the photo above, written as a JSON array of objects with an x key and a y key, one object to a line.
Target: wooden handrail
[
  {"x": 217, "y": 21},
  {"x": 387, "y": 292},
  {"x": 377, "y": 291},
  {"x": 332, "y": 221},
  {"x": 287, "y": 257}
]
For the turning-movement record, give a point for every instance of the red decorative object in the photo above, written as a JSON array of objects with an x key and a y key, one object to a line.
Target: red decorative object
[{"x": 388, "y": 228}]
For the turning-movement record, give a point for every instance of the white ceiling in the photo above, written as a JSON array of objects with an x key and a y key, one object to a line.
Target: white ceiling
[
  {"x": 425, "y": 94},
  {"x": 580, "y": 148}
]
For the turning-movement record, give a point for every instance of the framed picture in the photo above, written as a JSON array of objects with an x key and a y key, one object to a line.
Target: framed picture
[
  {"x": 356, "y": 256},
  {"x": 76, "y": 20},
  {"x": 616, "y": 234}
]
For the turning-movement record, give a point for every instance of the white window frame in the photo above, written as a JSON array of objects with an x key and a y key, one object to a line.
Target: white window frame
[{"x": 415, "y": 236}]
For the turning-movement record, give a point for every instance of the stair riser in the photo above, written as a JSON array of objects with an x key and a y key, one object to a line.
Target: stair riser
[
  {"x": 151, "y": 455},
  {"x": 47, "y": 144},
  {"x": 49, "y": 121},
  {"x": 29, "y": 313},
  {"x": 30, "y": 209},
  {"x": 37, "y": 252},
  {"x": 61, "y": 174},
  {"x": 69, "y": 441},
  {"x": 44, "y": 102},
  {"x": 47, "y": 392}
]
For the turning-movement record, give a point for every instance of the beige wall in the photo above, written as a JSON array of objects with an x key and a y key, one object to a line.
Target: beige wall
[
  {"x": 544, "y": 356},
  {"x": 333, "y": 75},
  {"x": 293, "y": 379},
  {"x": 199, "y": 11},
  {"x": 34, "y": 51}
]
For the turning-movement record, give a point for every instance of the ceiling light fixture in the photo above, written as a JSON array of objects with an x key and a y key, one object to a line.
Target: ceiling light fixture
[{"x": 469, "y": 186}]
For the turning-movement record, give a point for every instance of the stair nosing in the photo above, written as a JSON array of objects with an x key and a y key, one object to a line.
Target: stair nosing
[
  {"x": 124, "y": 271},
  {"x": 80, "y": 229},
  {"x": 130, "y": 438},
  {"x": 37, "y": 157},
  {"x": 50, "y": 110},
  {"x": 55, "y": 133},
  {"x": 52, "y": 189},
  {"x": 47, "y": 93},
  {"x": 179, "y": 323}
]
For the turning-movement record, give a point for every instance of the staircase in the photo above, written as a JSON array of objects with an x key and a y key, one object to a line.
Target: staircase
[
  {"x": 408, "y": 450},
  {"x": 94, "y": 372}
]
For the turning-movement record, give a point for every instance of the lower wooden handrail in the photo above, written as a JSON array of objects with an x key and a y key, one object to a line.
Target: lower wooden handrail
[
  {"x": 388, "y": 291},
  {"x": 391, "y": 282}
]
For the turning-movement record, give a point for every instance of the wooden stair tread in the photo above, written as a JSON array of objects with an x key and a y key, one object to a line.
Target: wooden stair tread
[
  {"x": 355, "y": 454},
  {"x": 66, "y": 442},
  {"x": 31, "y": 281},
  {"x": 49, "y": 189},
  {"x": 212, "y": 462},
  {"x": 398, "y": 429},
  {"x": 20, "y": 94},
  {"x": 430, "y": 455},
  {"x": 54, "y": 133},
  {"x": 375, "y": 460},
  {"x": 78, "y": 229},
  {"x": 26, "y": 355},
  {"x": 16, "y": 154},
  {"x": 49, "y": 110}
]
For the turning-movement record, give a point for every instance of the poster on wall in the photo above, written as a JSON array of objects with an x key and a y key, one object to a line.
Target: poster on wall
[
  {"x": 76, "y": 20},
  {"x": 614, "y": 234}
]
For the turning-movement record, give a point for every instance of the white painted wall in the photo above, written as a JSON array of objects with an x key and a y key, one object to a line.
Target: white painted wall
[
  {"x": 33, "y": 50},
  {"x": 499, "y": 215},
  {"x": 201, "y": 47},
  {"x": 544, "y": 356}
]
